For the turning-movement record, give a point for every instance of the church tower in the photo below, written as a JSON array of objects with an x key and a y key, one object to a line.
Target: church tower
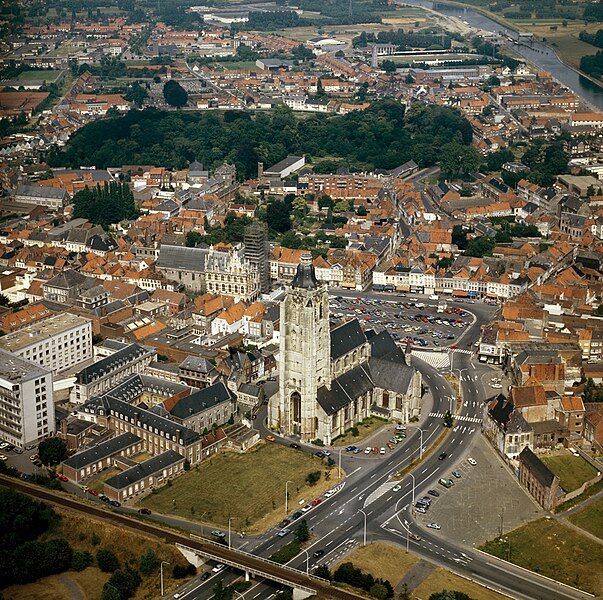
[{"x": 305, "y": 354}]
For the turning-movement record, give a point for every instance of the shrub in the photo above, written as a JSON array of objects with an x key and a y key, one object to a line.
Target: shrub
[
  {"x": 286, "y": 553},
  {"x": 107, "y": 561},
  {"x": 81, "y": 560},
  {"x": 182, "y": 571},
  {"x": 313, "y": 477},
  {"x": 126, "y": 581},
  {"x": 148, "y": 562},
  {"x": 95, "y": 539}
]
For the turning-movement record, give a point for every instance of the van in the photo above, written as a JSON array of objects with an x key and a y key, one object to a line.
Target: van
[
  {"x": 434, "y": 297},
  {"x": 447, "y": 483}
]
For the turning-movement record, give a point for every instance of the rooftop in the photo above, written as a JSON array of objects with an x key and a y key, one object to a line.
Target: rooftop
[
  {"x": 15, "y": 369},
  {"x": 41, "y": 330}
]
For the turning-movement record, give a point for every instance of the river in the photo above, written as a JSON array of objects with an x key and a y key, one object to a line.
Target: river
[{"x": 537, "y": 53}]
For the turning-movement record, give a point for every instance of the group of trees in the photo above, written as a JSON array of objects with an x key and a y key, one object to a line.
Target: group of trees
[
  {"x": 382, "y": 136},
  {"x": 378, "y": 588},
  {"x": 592, "y": 64},
  {"x": 404, "y": 39},
  {"x": 175, "y": 94},
  {"x": 106, "y": 204},
  {"x": 596, "y": 39}
]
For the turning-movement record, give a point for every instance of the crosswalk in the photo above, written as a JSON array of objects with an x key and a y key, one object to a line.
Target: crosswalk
[
  {"x": 382, "y": 489},
  {"x": 461, "y": 351},
  {"x": 438, "y": 360},
  {"x": 439, "y": 415}
]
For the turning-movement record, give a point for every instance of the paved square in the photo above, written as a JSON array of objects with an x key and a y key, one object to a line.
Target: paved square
[{"x": 484, "y": 497}]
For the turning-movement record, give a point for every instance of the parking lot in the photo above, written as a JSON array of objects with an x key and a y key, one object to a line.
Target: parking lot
[
  {"x": 406, "y": 319},
  {"x": 485, "y": 498}
]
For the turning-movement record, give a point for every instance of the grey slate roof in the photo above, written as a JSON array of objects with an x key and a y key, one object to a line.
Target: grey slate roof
[
  {"x": 102, "y": 450},
  {"x": 202, "y": 400},
  {"x": 190, "y": 259},
  {"x": 144, "y": 469},
  {"x": 305, "y": 277},
  {"x": 537, "y": 467},
  {"x": 345, "y": 338},
  {"x": 40, "y": 191},
  {"x": 109, "y": 363},
  {"x": 389, "y": 370},
  {"x": 344, "y": 389}
]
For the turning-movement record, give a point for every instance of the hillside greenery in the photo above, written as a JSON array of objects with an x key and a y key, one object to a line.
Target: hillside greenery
[{"x": 383, "y": 136}]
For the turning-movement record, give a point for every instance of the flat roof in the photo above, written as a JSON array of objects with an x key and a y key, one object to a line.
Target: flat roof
[
  {"x": 14, "y": 368},
  {"x": 41, "y": 330}
]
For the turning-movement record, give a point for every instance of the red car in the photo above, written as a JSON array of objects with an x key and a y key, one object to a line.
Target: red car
[
  {"x": 93, "y": 492},
  {"x": 63, "y": 478},
  {"x": 375, "y": 450},
  {"x": 316, "y": 502},
  {"x": 454, "y": 347}
]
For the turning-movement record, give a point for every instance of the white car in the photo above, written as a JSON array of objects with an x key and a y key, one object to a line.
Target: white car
[
  {"x": 472, "y": 461},
  {"x": 368, "y": 450},
  {"x": 400, "y": 427},
  {"x": 396, "y": 488},
  {"x": 218, "y": 568},
  {"x": 382, "y": 451},
  {"x": 433, "y": 526},
  {"x": 496, "y": 386}
]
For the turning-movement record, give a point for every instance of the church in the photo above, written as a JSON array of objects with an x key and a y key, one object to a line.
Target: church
[{"x": 331, "y": 379}]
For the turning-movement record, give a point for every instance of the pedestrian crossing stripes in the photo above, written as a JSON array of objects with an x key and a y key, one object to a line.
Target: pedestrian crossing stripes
[
  {"x": 438, "y": 415},
  {"x": 461, "y": 351},
  {"x": 438, "y": 360},
  {"x": 382, "y": 489}
]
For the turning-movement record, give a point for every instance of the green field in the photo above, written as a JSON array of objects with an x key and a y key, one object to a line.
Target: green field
[
  {"x": 550, "y": 548},
  {"x": 248, "y": 487},
  {"x": 49, "y": 75},
  {"x": 590, "y": 518},
  {"x": 572, "y": 470},
  {"x": 365, "y": 428}
]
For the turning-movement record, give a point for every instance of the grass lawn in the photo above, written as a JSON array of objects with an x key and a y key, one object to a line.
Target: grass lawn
[
  {"x": 48, "y": 75},
  {"x": 550, "y": 548},
  {"x": 127, "y": 545},
  {"x": 441, "y": 580},
  {"x": 249, "y": 487},
  {"x": 572, "y": 470},
  {"x": 98, "y": 483},
  {"x": 141, "y": 457},
  {"x": 590, "y": 518},
  {"x": 381, "y": 560},
  {"x": 591, "y": 491},
  {"x": 365, "y": 428}
]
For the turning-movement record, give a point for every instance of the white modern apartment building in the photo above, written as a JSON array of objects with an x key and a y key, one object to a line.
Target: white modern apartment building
[
  {"x": 26, "y": 401},
  {"x": 56, "y": 343}
]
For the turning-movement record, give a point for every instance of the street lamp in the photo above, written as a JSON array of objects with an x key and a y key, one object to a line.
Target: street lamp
[
  {"x": 287, "y": 496},
  {"x": 421, "y": 431},
  {"x": 413, "y": 488},
  {"x": 229, "y": 519},
  {"x": 364, "y": 539},
  {"x": 307, "y": 561},
  {"x": 163, "y": 562},
  {"x": 339, "y": 463}
]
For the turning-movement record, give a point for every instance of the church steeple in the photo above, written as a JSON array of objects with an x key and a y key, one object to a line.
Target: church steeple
[{"x": 305, "y": 276}]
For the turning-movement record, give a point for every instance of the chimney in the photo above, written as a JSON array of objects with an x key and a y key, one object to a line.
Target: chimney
[{"x": 260, "y": 170}]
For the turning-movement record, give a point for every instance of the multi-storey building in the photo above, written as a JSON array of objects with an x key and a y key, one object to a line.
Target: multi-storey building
[
  {"x": 257, "y": 252},
  {"x": 106, "y": 373},
  {"x": 26, "y": 401},
  {"x": 56, "y": 343}
]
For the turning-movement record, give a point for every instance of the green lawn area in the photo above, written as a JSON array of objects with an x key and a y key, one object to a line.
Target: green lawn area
[
  {"x": 365, "y": 428},
  {"x": 98, "y": 484},
  {"x": 590, "y": 491},
  {"x": 48, "y": 75},
  {"x": 572, "y": 470},
  {"x": 590, "y": 518},
  {"x": 248, "y": 487},
  {"x": 550, "y": 548}
]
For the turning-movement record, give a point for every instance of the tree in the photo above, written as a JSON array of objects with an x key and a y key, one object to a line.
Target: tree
[
  {"x": 278, "y": 216},
  {"x": 313, "y": 477},
  {"x": 221, "y": 592},
  {"x": 361, "y": 211},
  {"x": 107, "y": 561},
  {"x": 52, "y": 451},
  {"x": 326, "y": 202},
  {"x": 175, "y": 94},
  {"x": 458, "y": 161},
  {"x": 379, "y": 591},
  {"x": 448, "y": 420},
  {"x": 323, "y": 571},
  {"x": 449, "y": 595},
  {"x": 126, "y": 581},
  {"x": 480, "y": 246},
  {"x": 302, "y": 533},
  {"x": 149, "y": 561},
  {"x": 389, "y": 66},
  {"x": 110, "y": 593},
  {"x": 105, "y": 205},
  {"x": 137, "y": 94},
  {"x": 81, "y": 560}
]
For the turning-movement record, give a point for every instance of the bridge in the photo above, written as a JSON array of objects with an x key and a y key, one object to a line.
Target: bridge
[{"x": 303, "y": 584}]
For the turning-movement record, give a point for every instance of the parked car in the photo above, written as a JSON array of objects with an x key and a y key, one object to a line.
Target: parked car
[
  {"x": 270, "y": 438},
  {"x": 433, "y": 493},
  {"x": 456, "y": 474},
  {"x": 63, "y": 478},
  {"x": 218, "y": 533},
  {"x": 472, "y": 461},
  {"x": 433, "y": 526},
  {"x": 284, "y": 523},
  {"x": 93, "y": 492},
  {"x": 115, "y": 503},
  {"x": 294, "y": 446},
  {"x": 316, "y": 501},
  {"x": 297, "y": 514},
  {"x": 144, "y": 511}
]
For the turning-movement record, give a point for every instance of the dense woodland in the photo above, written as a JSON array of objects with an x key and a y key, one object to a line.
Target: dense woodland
[{"x": 383, "y": 136}]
